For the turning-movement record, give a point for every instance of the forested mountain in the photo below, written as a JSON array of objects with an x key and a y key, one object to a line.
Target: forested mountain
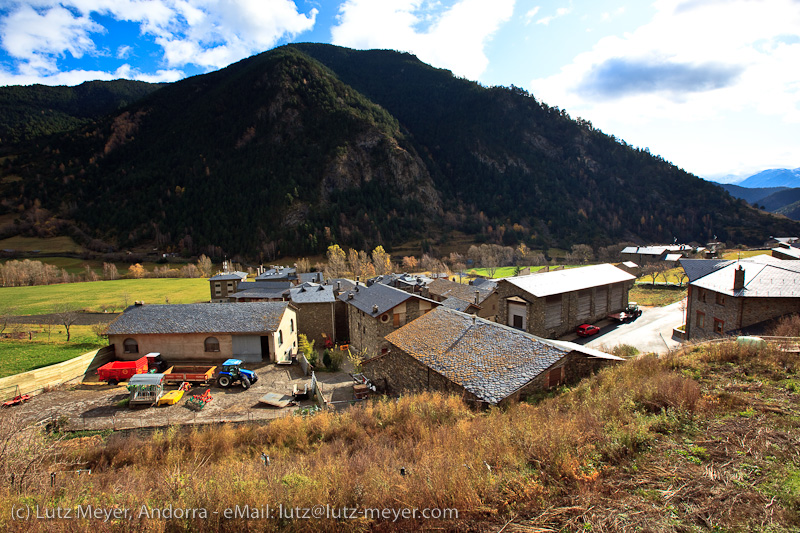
[
  {"x": 37, "y": 110},
  {"x": 293, "y": 149}
]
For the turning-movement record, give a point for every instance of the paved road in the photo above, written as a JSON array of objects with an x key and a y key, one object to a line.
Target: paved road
[{"x": 651, "y": 332}]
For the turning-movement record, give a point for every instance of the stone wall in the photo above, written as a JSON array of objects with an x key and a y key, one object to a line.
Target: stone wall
[
  {"x": 174, "y": 346},
  {"x": 367, "y": 332},
  {"x": 314, "y": 319}
]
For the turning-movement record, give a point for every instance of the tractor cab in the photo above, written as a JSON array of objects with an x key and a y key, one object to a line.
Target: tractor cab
[{"x": 232, "y": 372}]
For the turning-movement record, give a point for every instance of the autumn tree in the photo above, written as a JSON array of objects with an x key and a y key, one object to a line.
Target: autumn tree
[
  {"x": 136, "y": 271},
  {"x": 410, "y": 263},
  {"x": 337, "y": 262},
  {"x": 580, "y": 254},
  {"x": 382, "y": 261}
]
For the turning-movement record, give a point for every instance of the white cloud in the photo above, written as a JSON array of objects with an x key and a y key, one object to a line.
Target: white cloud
[
  {"x": 454, "y": 37},
  {"x": 691, "y": 67},
  {"x": 76, "y": 77},
  {"x": 560, "y": 12},
  {"x": 124, "y": 51},
  {"x": 206, "y": 33},
  {"x": 529, "y": 16}
]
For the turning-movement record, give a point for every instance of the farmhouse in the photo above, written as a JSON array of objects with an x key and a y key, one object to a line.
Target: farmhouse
[
  {"x": 551, "y": 304},
  {"x": 726, "y": 296},
  {"x": 375, "y": 311},
  {"x": 253, "y": 332},
  {"x": 450, "y": 351},
  {"x": 482, "y": 296}
]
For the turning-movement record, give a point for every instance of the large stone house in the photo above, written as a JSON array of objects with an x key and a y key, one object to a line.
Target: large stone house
[
  {"x": 552, "y": 304},
  {"x": 224, "y": 284},
  {"x": 485, "y": 362},
  {"x": 377, "y": 310},
  {"x": 727, "y": 296},
  {"x": 483, "y": 297},
  {"x": 253, "y": 332}
]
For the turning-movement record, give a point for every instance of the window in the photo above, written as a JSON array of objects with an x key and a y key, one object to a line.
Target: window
[
  {"x": 720, "y": 299},
  {"x": 701, "y": 295},
  {"x": 230, "y": 286},
  {"x": 719, "y": 325},
  {"x": 291, "y": 325},
  {"x": 211, "y": 344},
  {"x": 130, "y": 346},
  {"x": 555, "y": 377},
  {"x": 701, "y": 319},
  {"x": 517, "y": 321},
  {"x": 280, "y": 338},
  {"x": 218, "y": 288}
]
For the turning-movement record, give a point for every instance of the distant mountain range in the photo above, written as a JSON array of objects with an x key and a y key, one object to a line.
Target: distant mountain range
[
  {"x": 776, "y": 177},
  {"x": 291, "y": 150},
  {"x": 779, "y": 200}
]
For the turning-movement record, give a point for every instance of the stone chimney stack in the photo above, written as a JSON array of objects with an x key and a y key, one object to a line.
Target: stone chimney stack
[
  {"x": 738, "y": 278},
  {"x": 477, "y": 296}
]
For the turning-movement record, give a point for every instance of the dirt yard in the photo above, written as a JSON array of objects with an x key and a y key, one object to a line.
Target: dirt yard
[{"x": 91, "y": 405}]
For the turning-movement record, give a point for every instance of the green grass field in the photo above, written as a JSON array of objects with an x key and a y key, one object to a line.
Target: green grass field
[
  {"x": 657, "y": 297},
  {"x": 505, "y": 272},
  {"x": 742, "y": 254},
  {"x": 22, "y": 355},
  {"x": 91, "y": 296}
]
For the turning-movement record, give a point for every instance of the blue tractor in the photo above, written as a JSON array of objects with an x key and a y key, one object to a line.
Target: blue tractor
[{"x": 232, "y": 371}]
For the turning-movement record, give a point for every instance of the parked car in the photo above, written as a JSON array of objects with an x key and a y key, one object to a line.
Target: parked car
[{"x": 587, "y": 330}]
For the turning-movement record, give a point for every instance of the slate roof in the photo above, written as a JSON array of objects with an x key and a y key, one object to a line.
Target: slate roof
[
  {"x": 569, "y": 280},
  {"x": 256, "y": 317},
  {"x": 278, "y": 274},
  {"x": 263, "y": 294},
  {"x": 490, "y": 360},
  {"x": 697, "y": 268},
  {"x": 382, "y": 296},
  {"x": 458, "y": 304},
  {"x": 790, "y": 252},
  {"x": 225, "y": 276},
  {"x": 764, "y": 277},
  {"x": 445, "y": 288},
  {"x": 312, "y": 294},
  {"x": 314, "y": 277}
]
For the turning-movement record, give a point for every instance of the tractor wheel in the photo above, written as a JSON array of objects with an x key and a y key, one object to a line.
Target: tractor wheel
[
  {"x": 245, "y": 383},
  {"x": 113, "y": 382},
  {"x": 255, "y": 378},
  {"x": 224, "y": 381}
]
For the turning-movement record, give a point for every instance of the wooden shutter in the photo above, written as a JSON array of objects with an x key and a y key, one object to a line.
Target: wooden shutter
[
  {"x": 552, "y": 311},
  {"x": 584, "y": 305}
]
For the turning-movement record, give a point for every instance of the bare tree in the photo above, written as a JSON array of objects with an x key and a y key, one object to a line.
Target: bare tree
[
  {"x": 204, "y": 266},
  {"x": 67, "y": 314},
  {"x": 6, "y": 313},
  {"x": 652, "y": 271}
]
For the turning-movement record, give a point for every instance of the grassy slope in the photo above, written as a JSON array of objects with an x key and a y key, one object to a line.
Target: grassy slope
[
  {"x": 22, "y": 355},
  {"x": 706, "y": 440},
  {"x": 90, "y": 296}
]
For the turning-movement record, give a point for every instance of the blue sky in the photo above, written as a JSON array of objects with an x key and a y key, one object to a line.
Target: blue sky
[{"x": 710, "y": 85}]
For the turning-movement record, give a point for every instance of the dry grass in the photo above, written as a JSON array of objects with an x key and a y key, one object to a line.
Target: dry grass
[{"x": 639, "y": 446}]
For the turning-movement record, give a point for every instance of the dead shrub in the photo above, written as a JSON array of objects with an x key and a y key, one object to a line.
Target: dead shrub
[{"x": 787, "y": 326}]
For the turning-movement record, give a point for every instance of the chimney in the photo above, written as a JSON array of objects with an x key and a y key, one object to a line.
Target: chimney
[
  {"x": 349, "y": 295},
  {"x": 138, "y": 303},
  {"x": 338, "y": 286},
  {"x": 477, "y": 295},
  {"x": 374, "y": 308},
  {"x": 738, "y": 278}
]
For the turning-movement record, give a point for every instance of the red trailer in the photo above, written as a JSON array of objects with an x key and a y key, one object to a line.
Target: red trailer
[
  {"x": 117, "y": 371},
  {"x": 190, "y": 373}
]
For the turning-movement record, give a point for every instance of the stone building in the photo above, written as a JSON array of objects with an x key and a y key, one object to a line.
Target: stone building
[
  {"x": 552, "y": 304},
  {"x": 252, "y": 332},
  {"x": 377, "y": 310},
  {"x": 725, "y": 297},
  {"x": 483, "y": 297},
  {"x": 453, "y": 352},
  {"x": 224, "y": 284}
]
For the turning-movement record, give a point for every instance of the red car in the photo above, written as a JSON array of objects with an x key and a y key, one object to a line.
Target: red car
[{"x": 587, "y": 330}]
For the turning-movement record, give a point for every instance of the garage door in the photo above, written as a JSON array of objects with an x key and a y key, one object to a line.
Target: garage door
[
  {"x": 616, "y": 298},
  {"x": 584, "y": 305},
  {"x": 552, "y": 311},
  {"x": 601, "y": 301}
]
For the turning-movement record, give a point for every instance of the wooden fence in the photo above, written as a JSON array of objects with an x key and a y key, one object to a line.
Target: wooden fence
[{"x": 34, "y": 381}]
